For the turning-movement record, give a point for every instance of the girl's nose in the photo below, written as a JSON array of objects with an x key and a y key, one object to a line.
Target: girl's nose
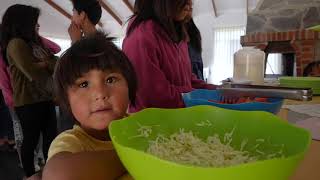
[{"x": 101, "y": 93}]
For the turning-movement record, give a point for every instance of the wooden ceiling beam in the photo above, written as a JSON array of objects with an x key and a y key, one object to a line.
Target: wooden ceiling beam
[
  {"x": 58, "y": 8},
  {"x": 110, "y": 11},
  {"x": 62, "y": 11},
  {"x": 247, "y": 7},
  {"x": 128, "y": 4},
  {"x": 214, "y": 8}
]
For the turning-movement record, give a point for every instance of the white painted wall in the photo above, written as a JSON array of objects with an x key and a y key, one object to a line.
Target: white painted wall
[{"x": 206, "y": 24}]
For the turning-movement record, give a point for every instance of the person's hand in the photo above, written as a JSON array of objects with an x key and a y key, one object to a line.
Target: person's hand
[
  {"x": 74, "y": 32},
  {"x": 36, "y": 176}
]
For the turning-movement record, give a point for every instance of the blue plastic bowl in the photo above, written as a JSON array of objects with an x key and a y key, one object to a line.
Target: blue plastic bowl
[{"x": 201, "y": 97}]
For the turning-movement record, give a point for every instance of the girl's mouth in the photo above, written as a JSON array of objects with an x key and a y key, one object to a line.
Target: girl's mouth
[{"x": 100, "y": 110}]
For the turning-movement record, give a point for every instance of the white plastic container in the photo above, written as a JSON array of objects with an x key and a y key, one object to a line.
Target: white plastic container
[{"x": 249, "y": 65}]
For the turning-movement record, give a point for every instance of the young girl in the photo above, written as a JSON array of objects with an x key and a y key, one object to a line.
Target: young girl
[{"x": 94, "y": 82}]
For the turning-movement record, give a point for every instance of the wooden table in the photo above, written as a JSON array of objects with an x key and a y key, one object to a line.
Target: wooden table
[{"x": 309, "y": 168}]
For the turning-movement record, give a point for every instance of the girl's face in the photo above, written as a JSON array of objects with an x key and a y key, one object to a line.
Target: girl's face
[
  {"x": 185, "y": 12},
  {"x": 97, "y": 98}
]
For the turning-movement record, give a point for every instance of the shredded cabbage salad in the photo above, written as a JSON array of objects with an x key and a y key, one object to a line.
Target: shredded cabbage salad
[{"x": 186, "y": 148}]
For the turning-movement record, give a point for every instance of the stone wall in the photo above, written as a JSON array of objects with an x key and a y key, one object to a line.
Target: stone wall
[{"x": 283, "y": 15}]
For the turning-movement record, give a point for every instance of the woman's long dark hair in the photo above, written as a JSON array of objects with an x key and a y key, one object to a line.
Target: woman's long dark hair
[
  {"x": 19, "y": 21},
  {"x": 194, "y": 35},
  {"x": 163, "y": 12}
]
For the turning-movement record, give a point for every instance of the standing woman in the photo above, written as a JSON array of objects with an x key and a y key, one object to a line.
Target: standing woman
[
  {"x": 195, "y": 49},
  {"x": 31, "y": 66},
  {"x": 156, "y": 45}
]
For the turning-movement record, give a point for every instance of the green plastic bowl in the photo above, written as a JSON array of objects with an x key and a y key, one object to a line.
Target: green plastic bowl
[
  {"x": 302, "y": 82},
  {"x": 251, "y": 125}
]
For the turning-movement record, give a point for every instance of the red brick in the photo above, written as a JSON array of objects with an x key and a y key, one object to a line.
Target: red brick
[
  {"x": 246, "y": 39},
  {"x": 302, "y": 34},
  {"x": 299, "y": 72},
  {"x": 291, "y": 34},
  {"x": 261, "y": 38},
  {"x": 298, "y": 60},
  {"x": 257, "y": 37},
  {"x": 277, "y": 36},
  {"x": 308, "y": 43},
  {"x": 285, "y": 36},
  {"x": 307, "y": 49},
  {"x": 269, "y": 36},
  {"x": 316, "y": 35},
  {"x": 310, "y": 34},
  {"x": 264, "y": 37},
  {"x": 295, "y": 45},
  {"x": 297, "y": 35},
  {"x": 274, "y": 37},
  {"x": 306, "y": 56},
  {"x": 249, "y": 37},
  {"x": 252, "y": 37},
  {"x": 282, "y": 36},
  {"x": 306, "y": 61}
]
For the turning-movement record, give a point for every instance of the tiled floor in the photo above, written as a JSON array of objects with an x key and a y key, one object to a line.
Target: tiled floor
[
  {"x": 9, "y": 161},
  {"x": 9, "y": 166}
]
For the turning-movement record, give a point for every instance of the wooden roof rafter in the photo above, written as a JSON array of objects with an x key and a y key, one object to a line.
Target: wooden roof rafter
[
  {"x": 247, "y": 7},
  {"x": 128, "y": 4},
  {"x": 62, "y": 11},
  {"x": 110, "y": 11},
  {"x": 58, "y": 8},
  {"x": 214, "y": 9}
]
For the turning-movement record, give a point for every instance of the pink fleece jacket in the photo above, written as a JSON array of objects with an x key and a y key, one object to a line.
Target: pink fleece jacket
[
  {"x": 5, "y": 80},
  {"x": 163, "y": 68}
]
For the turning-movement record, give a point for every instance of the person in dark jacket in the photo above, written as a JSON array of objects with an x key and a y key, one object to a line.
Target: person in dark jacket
[{"x": 195, "y": 48}]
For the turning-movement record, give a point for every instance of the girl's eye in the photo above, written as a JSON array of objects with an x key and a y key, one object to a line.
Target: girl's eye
[
  {"x": 83, "y": 84},
  {"x": 111, "y": 80}
]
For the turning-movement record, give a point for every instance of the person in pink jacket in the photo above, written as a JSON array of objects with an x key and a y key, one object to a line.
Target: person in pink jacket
[
  {"x": 5, "y": 83},
  {"x": 156, "y": 45},
  {"x": 11, "y": 125}
]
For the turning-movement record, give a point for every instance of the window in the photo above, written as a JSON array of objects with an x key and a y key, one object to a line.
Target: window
[
  {"x": 63, "y": 43},
  {"x": 118, "y": 42},
  {"x": 274, "y": 65},
  {"x": 226, "y": 43}
]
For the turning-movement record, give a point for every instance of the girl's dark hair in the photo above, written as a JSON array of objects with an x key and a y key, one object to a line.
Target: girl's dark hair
[
  {"x": 163, "y": 12},
  {"x": 142, "y": 5},
  {"x": 0, "y": 33},
  {"x": 92, "y": 52},
  {"x": 194, "y": 35},
  {"x": 19, "y": 21},
  {"x": 91, "y": 7}
]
